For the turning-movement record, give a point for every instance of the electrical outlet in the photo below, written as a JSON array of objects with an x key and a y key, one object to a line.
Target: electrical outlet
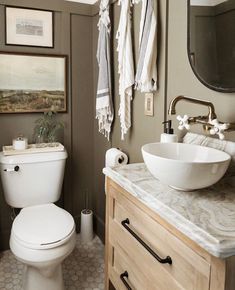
[{"x": 148, "y": 104}]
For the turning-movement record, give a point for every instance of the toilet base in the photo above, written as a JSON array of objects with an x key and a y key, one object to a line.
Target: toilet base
[
  {"x": 35, "y": 279},
  {"x": 43, "y": 267}
]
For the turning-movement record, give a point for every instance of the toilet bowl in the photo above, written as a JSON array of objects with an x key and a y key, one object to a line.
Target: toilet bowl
[
  {"x": 42, "y": 237},
  {"x": 42, "y": 234}
]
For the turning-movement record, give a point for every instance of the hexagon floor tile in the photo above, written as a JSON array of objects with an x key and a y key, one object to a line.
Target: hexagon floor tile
[{"x": 82, "y": 270}]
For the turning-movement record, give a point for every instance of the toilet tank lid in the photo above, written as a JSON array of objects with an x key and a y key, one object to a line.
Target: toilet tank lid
[
  {"x": 33, "y": 158},
  {"x": 42, "y": 226}
]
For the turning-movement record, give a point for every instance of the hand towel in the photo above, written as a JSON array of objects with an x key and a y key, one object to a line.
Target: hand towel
[
  {"x": 146, "y": 76},
  {"x": 226, "y": 146},
  {"x": 223, "y": 145},
  {"x": 125, "y": 66},
  {"x": 104, "y": 104}
]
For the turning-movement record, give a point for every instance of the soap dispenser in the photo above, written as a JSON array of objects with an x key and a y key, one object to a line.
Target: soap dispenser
[{"x": 168, "y": 136}]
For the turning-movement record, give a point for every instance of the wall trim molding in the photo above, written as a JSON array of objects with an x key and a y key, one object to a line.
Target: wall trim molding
[
  {"x": 99, "y": 227},
  {"x": 5, "y": 239},
  {"x": 166, "y": 62}
]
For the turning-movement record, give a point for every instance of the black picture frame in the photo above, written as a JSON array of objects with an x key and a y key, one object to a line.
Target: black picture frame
[{"x": 50, "y": 13}]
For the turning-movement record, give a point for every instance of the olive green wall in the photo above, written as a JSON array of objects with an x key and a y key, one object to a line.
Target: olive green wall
[
  {"x": 100, "y": 145},
  {"x": 76, "y": 35},
  {"x": 181, "y": 79},
  {"x": 73, "y": 37},
  {"x": 175, "y": 78},
  {"x": 144, "y": 129}
]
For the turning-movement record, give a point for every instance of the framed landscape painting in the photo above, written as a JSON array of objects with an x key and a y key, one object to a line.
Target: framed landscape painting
[
  {"x": 32, "y": 83},
  {"x": 29, "y": 27}
]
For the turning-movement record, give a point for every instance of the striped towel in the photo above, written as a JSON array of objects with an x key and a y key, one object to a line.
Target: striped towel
[
  {"x": 223, "y": 145},
  {"x": 104, "y": 104},
  {"x": 125, "y": 66},
  {"x": 146, "y": 75}
]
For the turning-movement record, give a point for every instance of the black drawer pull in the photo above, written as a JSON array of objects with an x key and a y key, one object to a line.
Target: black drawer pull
[
  {"x": 122, "y": 277},
  {"x": 166, "y": 260}
]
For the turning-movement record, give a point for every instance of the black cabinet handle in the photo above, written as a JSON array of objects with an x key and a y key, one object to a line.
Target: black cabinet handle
[
  {"x": 166, "y": 260},
  {"x": 122, "y": 277}
]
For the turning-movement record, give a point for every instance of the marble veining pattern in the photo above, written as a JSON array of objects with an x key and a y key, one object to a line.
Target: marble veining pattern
[{"x": 207, "y": 216}]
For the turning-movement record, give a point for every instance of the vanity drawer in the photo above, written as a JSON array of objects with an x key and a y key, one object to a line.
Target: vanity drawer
[
  {"x": 123, "y": 264},
  {"x": 188, "y": 270},
  {"x": 142, "y": 274}
]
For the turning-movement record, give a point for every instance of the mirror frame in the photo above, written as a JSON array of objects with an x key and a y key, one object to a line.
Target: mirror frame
[{"x": 218, "y": 89}]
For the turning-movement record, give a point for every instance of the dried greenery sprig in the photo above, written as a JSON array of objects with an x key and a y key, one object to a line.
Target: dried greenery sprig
[{"x": 46, "y": 127}]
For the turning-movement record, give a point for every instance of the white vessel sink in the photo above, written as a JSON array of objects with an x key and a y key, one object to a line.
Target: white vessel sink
[{"x": 184, "y": 166}]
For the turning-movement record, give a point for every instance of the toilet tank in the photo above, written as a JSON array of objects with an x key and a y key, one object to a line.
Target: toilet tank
[{"x": 32, "y": 179}]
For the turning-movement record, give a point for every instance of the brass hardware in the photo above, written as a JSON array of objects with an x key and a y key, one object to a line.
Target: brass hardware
[
  {"x": 206, "y": 121},
  {"x": 199, "y": 119}
]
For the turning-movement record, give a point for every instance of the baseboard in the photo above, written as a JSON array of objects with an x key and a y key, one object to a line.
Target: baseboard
[
  {"x": 99, "y": 228},
  {"x": 77, "y": 220},
  {"x": 4, "y": 240}
]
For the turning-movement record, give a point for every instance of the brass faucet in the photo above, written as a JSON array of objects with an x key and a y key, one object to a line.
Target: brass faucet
[
  {"x": 209, "y": 122},
  {"x": 200, "y": 119}
]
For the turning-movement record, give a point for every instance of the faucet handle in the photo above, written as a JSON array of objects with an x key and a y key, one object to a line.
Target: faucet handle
[
  {"x": 218, "y": 128},
  {"x": 183, "y": 122}
]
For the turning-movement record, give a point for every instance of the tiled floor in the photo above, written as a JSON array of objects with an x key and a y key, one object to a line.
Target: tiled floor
[{"x": 83, "y": 269}]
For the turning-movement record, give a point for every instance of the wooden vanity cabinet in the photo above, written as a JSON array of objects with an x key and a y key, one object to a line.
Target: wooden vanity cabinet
[{"x": 144, "y": 252}]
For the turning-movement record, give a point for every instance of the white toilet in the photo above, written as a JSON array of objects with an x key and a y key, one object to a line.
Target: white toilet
[{"x": 42, "y": 234}]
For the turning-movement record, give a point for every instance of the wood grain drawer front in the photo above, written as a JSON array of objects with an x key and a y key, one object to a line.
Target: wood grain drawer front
[
  {"x": 121, "y": 264},
  {"x": 188, "y": 271}
]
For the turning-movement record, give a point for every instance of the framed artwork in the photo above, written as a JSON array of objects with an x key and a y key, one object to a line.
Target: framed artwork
[
  {"x": 32, "y": 83},
  {"x": 29, "y": 27}
]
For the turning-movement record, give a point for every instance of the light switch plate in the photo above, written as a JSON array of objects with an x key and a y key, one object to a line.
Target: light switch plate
[{"x": 148, "y": 104}]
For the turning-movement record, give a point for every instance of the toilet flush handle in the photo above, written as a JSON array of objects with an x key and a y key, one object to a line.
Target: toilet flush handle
[{"x": 15, "y": 169}]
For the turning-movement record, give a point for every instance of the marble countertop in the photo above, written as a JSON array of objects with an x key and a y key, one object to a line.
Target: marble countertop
[{"x": 206, "y": 216}]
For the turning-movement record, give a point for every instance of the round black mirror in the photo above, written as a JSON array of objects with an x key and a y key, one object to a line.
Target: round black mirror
[{"x": 211, "y": 42}]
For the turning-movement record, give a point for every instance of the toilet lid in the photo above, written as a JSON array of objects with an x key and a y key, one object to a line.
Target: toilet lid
[{"x": 42, "y": 226}]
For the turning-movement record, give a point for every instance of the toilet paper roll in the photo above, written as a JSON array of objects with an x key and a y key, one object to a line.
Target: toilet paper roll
[
  {"x": 20, "y": 143},
  {"x": 87, "y": 234},
  {"x": 115, "y": 157}
]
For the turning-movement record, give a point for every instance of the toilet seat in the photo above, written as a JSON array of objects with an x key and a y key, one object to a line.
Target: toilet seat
[{"x": 43, "y": 226}]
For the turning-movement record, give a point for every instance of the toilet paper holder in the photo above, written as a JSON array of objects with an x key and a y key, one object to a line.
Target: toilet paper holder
[
  {"x": 121, "y": 159},
  {"x": 115, "y": 157}
]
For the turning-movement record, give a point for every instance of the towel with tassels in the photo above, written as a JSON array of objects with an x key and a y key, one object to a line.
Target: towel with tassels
[
  {"x": 146, "y": 75},
  {"x": 104, "y": 104},
  {"x": 125, "y": 66},
  {"x": 223, "y": 145}
]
